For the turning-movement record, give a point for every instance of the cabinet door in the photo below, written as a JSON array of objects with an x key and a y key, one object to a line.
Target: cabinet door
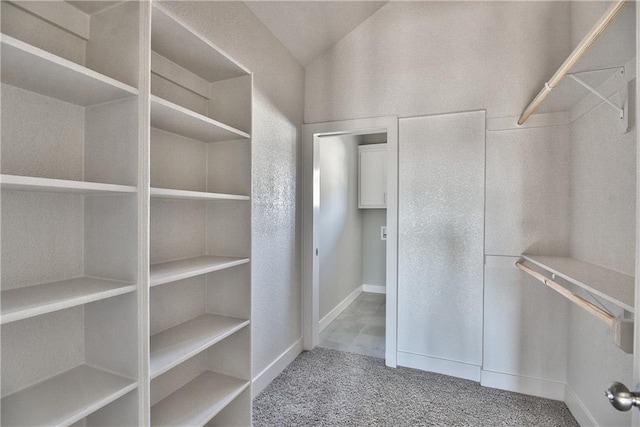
[{"x": 373, "y": 176}]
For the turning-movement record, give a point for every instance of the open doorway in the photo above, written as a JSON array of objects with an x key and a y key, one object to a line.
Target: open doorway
[
  {"x": 350, "y": 236},
  {"x": 352, "y": 242}
]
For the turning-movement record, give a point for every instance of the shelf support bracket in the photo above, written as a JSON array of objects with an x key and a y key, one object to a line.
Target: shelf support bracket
[{"x": 594, "y": 91}]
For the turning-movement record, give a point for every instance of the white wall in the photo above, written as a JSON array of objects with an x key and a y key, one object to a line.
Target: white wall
[
  {"x": 547, "y": 191},
  {"x": 418, "y": 58},
  {"x": 340, "y": 221},
  {"x": 440, "y": 243},
  {"x": 603, "y": 177},
  {"x": 374, "y": 249},
  {"x": 276, "y": 151},
  {"x": 527, "y": 211}
]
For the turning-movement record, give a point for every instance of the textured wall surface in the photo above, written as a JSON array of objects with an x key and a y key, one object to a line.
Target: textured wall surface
[
  {"x": 340, "y": 221},
  {"x": 419, "y": 58},
  {"x": 277, "y": 117},
  {"x": 528, "y": 191},
  {"x": 440, "y": 236},
  {"x": 374, "y": 250},
  {"x": 603, "y": 209}
]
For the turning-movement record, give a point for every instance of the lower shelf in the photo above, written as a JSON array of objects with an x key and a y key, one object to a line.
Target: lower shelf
[
  {"x": 175, "y": 345},
  {"x": 198, "y": 402},
  {"x": 21, "y": 303},
  {"x": 65, "y": 398}
]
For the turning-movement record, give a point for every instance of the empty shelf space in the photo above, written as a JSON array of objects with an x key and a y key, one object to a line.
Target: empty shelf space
[
  {"x": 65, "y": 398},
  {"x": 185, "y": 47},
  {"x": 177, "y": 270},
  {"x": 48, "y": 185},
  {"x": 173, "y": 346},
  {"x": 615, "y": 287},
  {"x": 166, "y": 193},
  {"x": 22, "y": 303},
  {"x": 198, "y": 401},
  {"x": 173, "y": 118},
  {"x": 39, "y": 71}
]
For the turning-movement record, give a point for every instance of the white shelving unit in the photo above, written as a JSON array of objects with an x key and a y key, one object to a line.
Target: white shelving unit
[
  {"x": 90, "y": 161},
  {"x": 200, "y": 230}
]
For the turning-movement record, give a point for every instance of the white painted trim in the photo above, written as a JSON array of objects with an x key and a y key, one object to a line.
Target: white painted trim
[
  {"x": 578, "y": 409},
  {"x": 268, "y": 374},
  {"x": 453, "y": 368},
  {"x": 173, "y": 72},
  {"x": 331, "y": 316},
  {"x": 548, "y": 389},
  {"x": 374, "y": 289},
  {"x": 310, "y": 234}
]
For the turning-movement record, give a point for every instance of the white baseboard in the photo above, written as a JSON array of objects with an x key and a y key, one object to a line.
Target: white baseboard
[
  {"x": 268, "y": 374},
  {"x": 331, "y": 316},
  {"x": 548, "y": 389},
  {"x": 577, "y": 408},
  {"x": 441, "y": 366},
  {"x": 374, "y": 289}
]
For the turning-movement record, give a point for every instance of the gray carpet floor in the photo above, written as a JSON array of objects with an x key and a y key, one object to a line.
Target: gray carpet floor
[{"x": 327, "y": 387}]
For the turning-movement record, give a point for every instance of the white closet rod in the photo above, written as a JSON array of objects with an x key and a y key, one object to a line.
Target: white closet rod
[
  {"x": 574, "y": 57},
  {"x": 601, "y": 314}
]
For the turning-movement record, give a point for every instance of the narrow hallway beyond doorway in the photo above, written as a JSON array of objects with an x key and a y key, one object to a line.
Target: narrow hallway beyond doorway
[{"x": 360, "y": 328}]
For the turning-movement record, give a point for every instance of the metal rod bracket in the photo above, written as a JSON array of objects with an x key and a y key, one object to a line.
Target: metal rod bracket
[{"x": 620, "y": 110}]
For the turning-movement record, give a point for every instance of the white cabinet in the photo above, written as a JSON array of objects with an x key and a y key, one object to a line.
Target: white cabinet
[
  {"x": 372, "y": 176},
  {"x": 102, "y": 322}
]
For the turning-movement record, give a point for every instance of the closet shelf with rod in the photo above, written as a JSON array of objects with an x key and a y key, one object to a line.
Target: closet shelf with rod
[
  {"x": 601, "y": 283},
  {"x": 592, "y": 36}
]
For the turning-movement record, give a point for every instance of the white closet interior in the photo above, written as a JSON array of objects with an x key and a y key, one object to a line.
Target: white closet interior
[{"x": 87, "y": 152}]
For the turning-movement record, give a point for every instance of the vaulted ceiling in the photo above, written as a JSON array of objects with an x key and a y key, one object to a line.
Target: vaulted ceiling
[{"x": 309, "y": 28}]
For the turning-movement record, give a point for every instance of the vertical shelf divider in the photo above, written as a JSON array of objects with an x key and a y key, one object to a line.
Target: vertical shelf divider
[{"x": 144, "y": 184}]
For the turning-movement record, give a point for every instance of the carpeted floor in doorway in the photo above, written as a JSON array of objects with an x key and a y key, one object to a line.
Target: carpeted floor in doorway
[{"x": 327, "y": 387}]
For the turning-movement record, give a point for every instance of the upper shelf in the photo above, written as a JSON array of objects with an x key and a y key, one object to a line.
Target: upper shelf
[
  {"x": 34, "y": 300},
  {"x": 183, "y": 269},
  {"x": 609, "y": 285},
  {"x": 185, "y": 47},
  {"x": 39, "y": 71},
  {"x": 173, "y": 118},
  {"x": 49, "y": 185},
  {"x": 167, "y": 193}
]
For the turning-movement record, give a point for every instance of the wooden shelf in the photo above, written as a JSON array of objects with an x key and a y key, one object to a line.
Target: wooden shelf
[
  {"x": 198, "y": 402},
  {"x": 65, "y": 398},
  {"x": 177, "y": 270},
  {"x": 48, "y": 185},
  {"x": 609, "y": 285},
  {"x": 175, "y": 345},
  {"x": 39, "y": 71},
  {"x": 187, "y": 48},
  {"x": 22, "y": 303},
  {"x": 166, "y": 193},
  {"x": 173, "y": 118}
]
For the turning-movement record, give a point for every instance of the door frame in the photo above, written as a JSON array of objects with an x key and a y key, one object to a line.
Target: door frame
[
  {"x": 310, "y": 232},
  {"x": 635, "y": 420}
]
